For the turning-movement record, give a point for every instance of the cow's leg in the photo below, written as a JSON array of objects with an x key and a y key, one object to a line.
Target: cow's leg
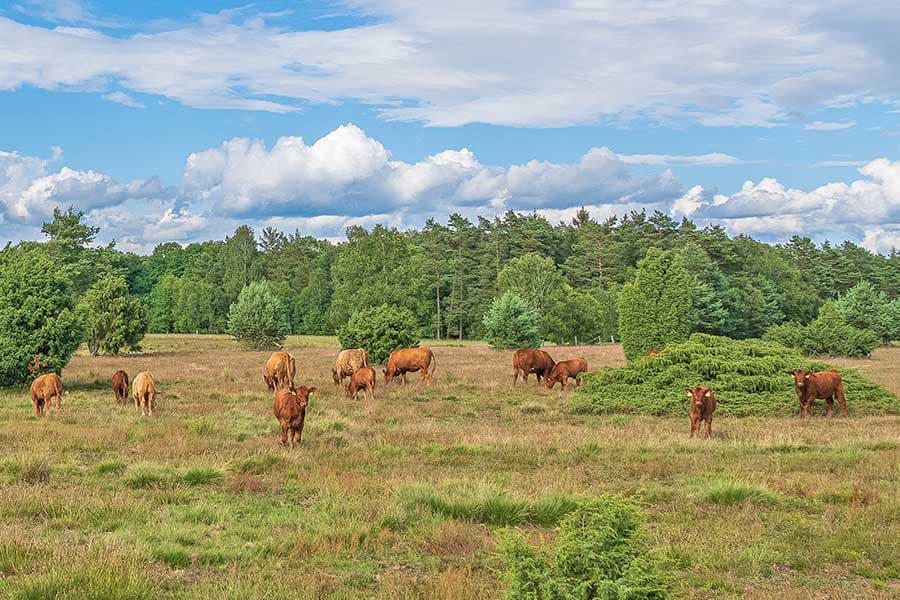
[
  {"x": 829, "y": 401},
  {"x": 709, "y": 427},
  {"x": 284, "y": 433},
  {"x": 300, "y": 428},
  {"x": 144, "y": 406},
  {"x": 403, "y": 377},
  {"x": 693, "y": 426},
  {"x": 515, "y": 375},
  {"x": 841, "y": 399}
]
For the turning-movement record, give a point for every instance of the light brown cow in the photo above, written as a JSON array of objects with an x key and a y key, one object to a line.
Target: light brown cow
[
  {"x": 824, "y": 384},
  {"x": 280, "y": 371},
  {"x": 527, "y": 361},
  {"x": 565, "y": 369},
  {"x": 347, "y": 363},
  {"x": 120, "y": 386},
  {"x": 703, "y": 405},
  {"x": 290, "y": 410},
  {"x": 43, "y": 390},
  {"x": 143, "y": 390},
  {"x": 362, "y": 379},
  {"x": 410, "y": 360}
]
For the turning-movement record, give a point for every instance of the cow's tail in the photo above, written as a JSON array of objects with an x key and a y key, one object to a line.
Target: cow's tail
[{"x": 433, "y": 363}]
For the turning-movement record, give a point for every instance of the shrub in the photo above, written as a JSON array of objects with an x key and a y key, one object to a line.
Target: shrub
[
  {"x": 112, "y": 318},
  {"x": 828, "y": 335},
  {"x": 258, "y": 319},
  {"x": 866, "y": 307},
  {"x": 510, "y": 323},
  {"x": 380, "y": 330},
  {"x": 598, "y": 554},
  {"x": 750, "y": 377}
]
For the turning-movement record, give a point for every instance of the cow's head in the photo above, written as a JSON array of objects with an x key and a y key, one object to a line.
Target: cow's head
[
  {"x": 303, "y": 395},
  {"x": 335, "y": 376},
  {"x": 387, "y": 377},
  {"x": 270, "y": 381},
  {"x": 347, "y": 392},
  {"x": 550, "y": 381},
  {"x": 800, "y": 377},
  {"x": 698, "y": 395}
]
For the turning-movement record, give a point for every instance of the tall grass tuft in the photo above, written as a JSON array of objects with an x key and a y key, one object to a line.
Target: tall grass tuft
[
  {"x": 728, "y": 492},
  {"x": 36, "y": 472}
]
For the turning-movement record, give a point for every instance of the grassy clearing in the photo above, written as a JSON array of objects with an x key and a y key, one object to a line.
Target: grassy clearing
[{"x": 403, "y": 497}]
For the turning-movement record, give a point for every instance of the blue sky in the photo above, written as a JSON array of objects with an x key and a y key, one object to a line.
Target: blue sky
[{"x": 164, "y": 121}]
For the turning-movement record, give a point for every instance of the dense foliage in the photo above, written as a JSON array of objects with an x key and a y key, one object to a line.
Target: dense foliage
[
  {"x": 599, "y": 554},
  {"x": 511, "y": 323},
  {"x": 379, "y": 330},
  {"x": 112, "y": 318},
  {"x": 258, "y": 319},
  {"x": 829, "y": 335},
  {"x": 866, "y": 307},
  {"x": 749, "y": 377}
]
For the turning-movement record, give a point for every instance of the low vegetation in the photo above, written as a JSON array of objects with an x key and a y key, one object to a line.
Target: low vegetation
[{"x": 749, "y": 377}]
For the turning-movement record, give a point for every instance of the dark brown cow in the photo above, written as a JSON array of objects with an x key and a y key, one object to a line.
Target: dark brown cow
[
  {"x": 280, "y": 371},
  {"x": 703, "y": 405},
  {"x": 527, "y": 361},
  {"x": 143, "y": 390},
  {"x": 410, "y": 360},
  {"x": 565, "y": 369},
  {"x": 120, "y": 386},
  {"x": 43, "y": 390},
  {"x": 823, "y": 384},
  {"x": 348, "y": 361},
  {"x": 290, "y": 410},
  {"x": 362, "y": 379}
]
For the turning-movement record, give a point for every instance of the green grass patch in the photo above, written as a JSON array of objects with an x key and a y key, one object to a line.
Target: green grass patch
[
  {"x": 201, "y": 475},
  {"x": 87, "y": 583},
  {"x": 728, "y": 492},
  {"x": 111, "y": 467},
  {"x": 257, "y": 465}
]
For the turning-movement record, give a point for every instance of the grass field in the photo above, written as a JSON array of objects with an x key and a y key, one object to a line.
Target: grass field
[{"x": 403, "y": 497}]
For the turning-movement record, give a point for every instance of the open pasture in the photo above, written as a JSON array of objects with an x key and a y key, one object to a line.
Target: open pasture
[{"x": 402, "y": 497}]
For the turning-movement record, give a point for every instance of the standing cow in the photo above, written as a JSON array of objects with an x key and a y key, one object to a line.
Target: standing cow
[
  {"x": 824, "y": 385},
  {"x": 347, "y": 363},
  {"x": 43, "y": 390},
  {"x": 290, "y": 410},
  {"x": 143, "y": 390},
  {"x": 362, "y": 379},
  {"x": 120, "y": 386},
  {"x": 565, "y": 369},
  {"x": 410, "y": 360},
  {"x": 280, "y": 371},
  {"x": 703, "y": 405},
  {"x": 526, "y": 361}
]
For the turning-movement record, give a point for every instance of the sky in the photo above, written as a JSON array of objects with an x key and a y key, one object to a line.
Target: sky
[{"x": 164, "y": 121}]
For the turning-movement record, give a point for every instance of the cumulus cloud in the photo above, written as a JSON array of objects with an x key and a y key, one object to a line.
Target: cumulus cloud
[
  {"x": 447, "y": 64},
  {"x": 124, "y": 99}
]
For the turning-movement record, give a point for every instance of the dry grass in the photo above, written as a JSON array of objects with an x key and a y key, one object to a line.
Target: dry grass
[{"x": 202, "y": 501}]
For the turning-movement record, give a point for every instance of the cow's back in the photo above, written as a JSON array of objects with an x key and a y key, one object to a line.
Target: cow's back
[
  {"x": 407, "y": 358},
  {"x": 143, "y": 385},
  {"x": 46, "y": 386}
]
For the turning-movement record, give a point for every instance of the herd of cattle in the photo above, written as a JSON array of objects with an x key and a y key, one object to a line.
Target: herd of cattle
[{"x": 291, "y": 401}]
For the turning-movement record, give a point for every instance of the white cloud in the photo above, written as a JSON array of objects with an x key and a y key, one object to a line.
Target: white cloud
[
  {"x": 123, "y": 98},
  {"x": 447, "y": 64},
  {"x": 829, "y": 125},
  {"x": 839, "y": 163},
  {"x": 714, "y": 159}
]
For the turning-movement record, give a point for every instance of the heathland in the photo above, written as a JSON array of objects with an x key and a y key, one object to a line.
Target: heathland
[{"x": 404, "y": 497}]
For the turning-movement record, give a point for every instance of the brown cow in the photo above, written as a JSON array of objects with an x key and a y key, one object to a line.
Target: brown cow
[
  {"x": 43, "y": 390},
  {"x": 565, "y": 369},
  {"x": 527, "y": 361},
  {"x": 290, "y": 410},
  {"x": 280, "y": 371},
  {"x": 703, "y": 405},
  {"x": 823, "y": 384},
  {"x": 654, "y": 352},
  {"x": 362, "y": 379},
  {"x": 410, "y": 360},
  {"x": 143, "y": 390},
  {"x": 120, "y": 386},
  {"x": 347, "y": 363}
]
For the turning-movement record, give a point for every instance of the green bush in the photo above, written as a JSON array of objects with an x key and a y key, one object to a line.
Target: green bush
[
  {"x": 750, "y": 377},
  {"x": 380, "y": 330},
  {"x": 866, "y": 307},
  {"x": 599, "y": 554},
  {"x": 829, "y": 335},
  {"x": 112, "y": 318},
  {"x": 258, "y": 319},
  {"x": 511, "y": 323}
]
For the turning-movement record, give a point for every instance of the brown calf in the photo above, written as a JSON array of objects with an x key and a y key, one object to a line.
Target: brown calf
[
  {"x": 362, "y": 379},
  {"x": 143, "y": 390},
  {"x": 565, "y": 369},
  {"x": 527, "y": 361},
  {"x": 120, "y": 386},
  {"x": 823, "y": 384},
  {"x": 410, "y": 360},
  {"x": 703, "y": 405},
  {"x": 280, "y": 371},
  {"x": 43, "y": 390},
  {"x": 347, "y": 363},
  {"x": 290, "y": 410}
]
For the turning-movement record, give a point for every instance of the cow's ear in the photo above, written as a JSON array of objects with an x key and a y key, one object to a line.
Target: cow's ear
[
  {"x": 312, "y": 390},
  {"x": 806, "y": 376},
  {"x": 708, "y": 394}
]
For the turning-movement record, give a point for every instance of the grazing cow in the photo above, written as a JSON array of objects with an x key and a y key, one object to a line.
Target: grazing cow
[
  {"x": 703, "y": 405},
  {"x": 362, "y": 379},
  {"x": 654, "y": 352},
  {"x": 565, "y": 369},
  {"x": 143, "y": 390},
  {"x": 120, "y": 386},
  {"x": 410, "y": 360},
  {"x": 43, "y": 390},
  {"x": 527, "y": 361},
  {"x": 290, "y": 410},
  {"x": 824, "y": 384},
  {"x": 347, "y": 363},
  {"x": 280, "y": 371}
]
